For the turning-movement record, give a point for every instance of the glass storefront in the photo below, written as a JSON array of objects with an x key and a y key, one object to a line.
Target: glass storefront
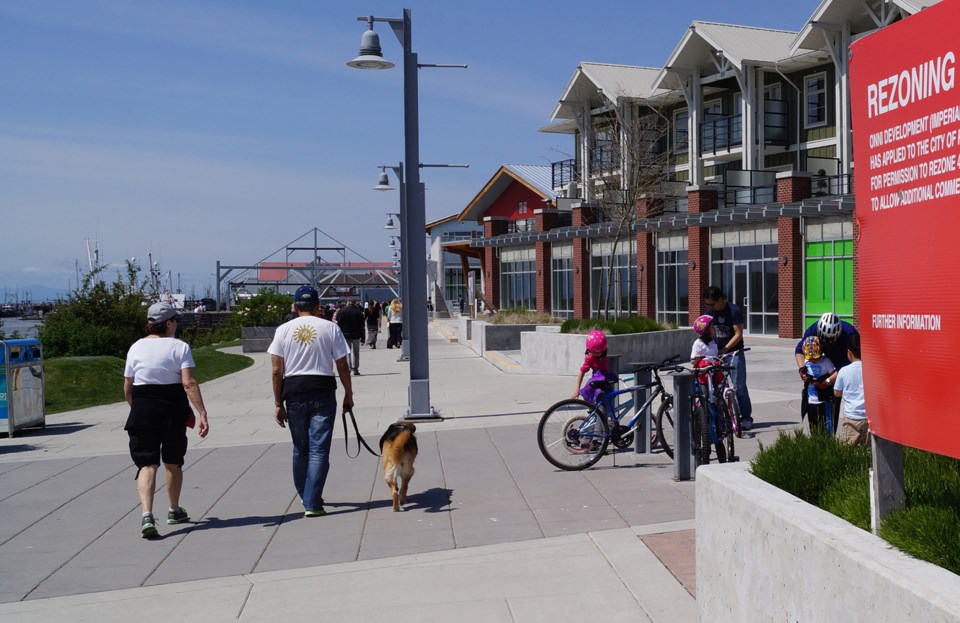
[
  {"x": 744, "y": 267},
  {"x": 561, "y": 276},
  {"x": 518, "y": 278},
  {"x": 613, "y": 278},
  {"x": 672, "y": 279}
]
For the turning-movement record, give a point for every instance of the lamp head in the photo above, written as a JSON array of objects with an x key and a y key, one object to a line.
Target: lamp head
[
  {"x": 389, "y": 224},
  {"x": 383, "y": 182},
  {"x": 371, "y": 56}
]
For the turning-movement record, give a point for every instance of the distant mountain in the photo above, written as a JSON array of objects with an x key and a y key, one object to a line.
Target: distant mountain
[{"x": 36, "y": 293}]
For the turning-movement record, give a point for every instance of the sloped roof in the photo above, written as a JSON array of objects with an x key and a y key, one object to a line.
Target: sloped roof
[
  {"x": 739, "y": 44},
  {"x": 851, "y": 12},
  {"x": 536, "y": 177},
  {"x": 602, "y": 83}
]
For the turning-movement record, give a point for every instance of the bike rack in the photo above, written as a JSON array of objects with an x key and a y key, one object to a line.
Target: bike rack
[
  {"x": 683, "y": 452},
  {"x": 641, "y": 438}
]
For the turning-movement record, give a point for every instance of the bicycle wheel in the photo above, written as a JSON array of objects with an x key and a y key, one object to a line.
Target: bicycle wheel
[
  {"x": 701, "y": 432},
  {"x": 573, "y": 435},
  {"x": 722, "y": 429},
  {"x": 730, "y": 397},
  {"x": 666, "y": 434},
  {"x": 729, "y": 432}
]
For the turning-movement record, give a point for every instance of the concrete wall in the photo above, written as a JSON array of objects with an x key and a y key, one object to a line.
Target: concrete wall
[
  {"x": 487, "y": 336},
  {"x": 562, "y": 353},
  {"x": 764, "y": 555},
  {"x": 464, "y": 328}
]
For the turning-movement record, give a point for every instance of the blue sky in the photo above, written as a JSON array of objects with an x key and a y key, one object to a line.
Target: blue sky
[{"x": 206, "y": 130}]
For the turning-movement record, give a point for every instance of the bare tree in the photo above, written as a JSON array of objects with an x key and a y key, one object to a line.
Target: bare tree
[{"x": 628, "y": 155}]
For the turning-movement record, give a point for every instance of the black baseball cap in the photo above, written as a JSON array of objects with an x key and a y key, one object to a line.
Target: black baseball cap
[{"x": 306, "y": 294}]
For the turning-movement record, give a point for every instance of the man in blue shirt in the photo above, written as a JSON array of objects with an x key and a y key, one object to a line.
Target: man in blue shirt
[{"x": 728, "y": 334}]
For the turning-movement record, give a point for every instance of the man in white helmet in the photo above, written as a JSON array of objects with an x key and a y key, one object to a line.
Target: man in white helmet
[{"x": 834, "y": 335}]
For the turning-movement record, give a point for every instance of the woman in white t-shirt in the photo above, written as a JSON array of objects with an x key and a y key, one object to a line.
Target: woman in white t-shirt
[{"x": 158, "y": 383}]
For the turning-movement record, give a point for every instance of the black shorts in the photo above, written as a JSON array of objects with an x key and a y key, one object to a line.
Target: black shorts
[{"x": 151, "y": 444}]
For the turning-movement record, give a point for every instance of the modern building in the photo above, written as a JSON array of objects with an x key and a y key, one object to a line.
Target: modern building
[
  {"x": 451, "y": 264},
  {"x": 731, "y": 164}
]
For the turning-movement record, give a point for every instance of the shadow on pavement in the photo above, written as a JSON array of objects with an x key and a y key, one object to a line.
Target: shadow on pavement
[
  {"x": 215, "y": 523},
  {"x": 65, "y": 428},
  {"x": 17, "y": 447}
]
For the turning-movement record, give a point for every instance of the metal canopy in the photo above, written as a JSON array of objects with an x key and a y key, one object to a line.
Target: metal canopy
[{"x": 815, "y": 206}]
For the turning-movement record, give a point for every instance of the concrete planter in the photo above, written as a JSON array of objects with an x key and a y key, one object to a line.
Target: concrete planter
[
  {"x": 257, "y": 339},
  {"x": 765, "y": 555},
  {"x": 486, "y": 336},
  {"x": 545, "y": 352}
]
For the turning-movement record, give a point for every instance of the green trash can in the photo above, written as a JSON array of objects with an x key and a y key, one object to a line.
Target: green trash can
[{"x": 21, "y": 385}]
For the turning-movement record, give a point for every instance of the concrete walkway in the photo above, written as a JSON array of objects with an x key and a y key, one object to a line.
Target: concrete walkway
[{"x": 491, "y": 532}]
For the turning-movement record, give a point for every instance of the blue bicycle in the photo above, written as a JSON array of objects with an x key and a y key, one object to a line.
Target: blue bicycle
[{"x": 574, "y": 434}]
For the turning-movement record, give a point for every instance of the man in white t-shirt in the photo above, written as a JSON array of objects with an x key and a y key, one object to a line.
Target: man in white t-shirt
[
  {"x": 849, "y": 387},
  {"x": 304, "y": 353}
]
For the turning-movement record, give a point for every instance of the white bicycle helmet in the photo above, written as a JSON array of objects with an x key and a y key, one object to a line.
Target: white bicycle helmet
[{"x": 828, "y": 327}]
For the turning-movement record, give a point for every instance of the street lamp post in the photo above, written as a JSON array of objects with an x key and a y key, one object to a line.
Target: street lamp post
[
  {"x": 413, "y": 211},
  {"x": 383, "y": 184}
]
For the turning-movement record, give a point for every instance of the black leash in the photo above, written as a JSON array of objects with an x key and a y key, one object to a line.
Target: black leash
[{"x": 360, "y": 439}]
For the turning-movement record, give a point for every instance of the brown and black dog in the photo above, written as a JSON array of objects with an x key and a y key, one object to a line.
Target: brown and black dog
[{"x": 398, "y": 449}]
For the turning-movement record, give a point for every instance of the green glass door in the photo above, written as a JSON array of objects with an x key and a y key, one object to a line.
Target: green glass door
[{"x": 829, "y": 280}]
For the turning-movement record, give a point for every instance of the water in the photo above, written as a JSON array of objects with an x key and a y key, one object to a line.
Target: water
[{"x": 26, "y": 328}]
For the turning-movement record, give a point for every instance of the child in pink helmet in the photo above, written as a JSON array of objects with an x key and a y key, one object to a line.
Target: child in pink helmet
[
  {"x": 595, "y": 359},
  {"x": 704, "y": 345}
]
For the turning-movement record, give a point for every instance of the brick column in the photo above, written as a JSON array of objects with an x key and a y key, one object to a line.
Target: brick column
[
  {"x": 544, "y": 219},
  {"x": 582, "y": 215},
  {"x": 493, "y": 226},
  {"x": 700, "y": 199},
  {"x": 789, "y": 278},
  {"x": 647, "y": 207},
  {"x": 792, "y": 186}
]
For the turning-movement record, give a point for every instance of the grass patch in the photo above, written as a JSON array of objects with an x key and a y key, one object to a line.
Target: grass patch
[
  {"x": 79, "y": 382},
  {"x": 619, "y": 326},
  {"x": 834, "y": 476},
  {"x": 518, "y": 315}
]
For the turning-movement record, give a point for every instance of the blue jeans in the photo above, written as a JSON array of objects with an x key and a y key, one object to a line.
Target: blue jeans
[
  {"x": 739, "y": 374},
  {"x": 311, "y": 421}
]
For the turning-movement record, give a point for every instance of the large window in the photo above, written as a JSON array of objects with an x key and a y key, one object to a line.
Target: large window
[
  {"x": 561, "y": 284},
  {"x": 815, "y": 95},
  {"x": 454, "y": 285},
  {"x": 518, "y": 278},
  {"x": 672, "y": 279},
  {"x": 681, "y": 130},
  {"x": 613, "y": 278},
  {"x": 744, "y": 267}
]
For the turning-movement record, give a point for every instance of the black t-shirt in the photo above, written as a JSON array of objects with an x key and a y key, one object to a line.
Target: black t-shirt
[{"x": 723, "y": 322}]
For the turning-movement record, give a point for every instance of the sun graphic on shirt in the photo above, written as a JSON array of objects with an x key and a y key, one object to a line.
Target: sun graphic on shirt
[{"x": 305, "y": 335}]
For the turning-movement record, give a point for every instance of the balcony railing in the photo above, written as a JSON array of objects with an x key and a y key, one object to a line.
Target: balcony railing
[
  {"x": 562, "y": 173},
  {"x": 719, "y": 133},
  {"x": 673, "y": 205},
  {"x": 748, "y": 188},
  {"x": 830, "y": 185},
  {"x": 604, "y": 159}
]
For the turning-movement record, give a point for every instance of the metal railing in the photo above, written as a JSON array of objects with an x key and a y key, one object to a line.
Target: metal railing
[
  {"x": 748, "y": 188},
  {"x": 831, "y": 185},
  {"x": 720, "y": 133},
  {"x": 562, "y": 173}
]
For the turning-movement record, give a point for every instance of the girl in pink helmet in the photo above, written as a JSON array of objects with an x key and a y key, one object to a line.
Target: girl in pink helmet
[
  {"x": 703, "y": 346},
  {"x": 595, "y": 360}
]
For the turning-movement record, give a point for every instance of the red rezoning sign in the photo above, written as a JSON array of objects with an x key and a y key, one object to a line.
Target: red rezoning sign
[{"x": 905, "y": 101}]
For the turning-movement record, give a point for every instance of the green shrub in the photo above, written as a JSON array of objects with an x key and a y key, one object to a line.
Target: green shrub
[
  {"x": 805, "y": 465},
  {"x": 618, "y": 326},
  {"x": 927, "y": 533},
  {"x": 197, "y": 337},
  {"x": 99, "y": 318},
  {"x": 267, "y": 309},
  {"x": 849, "y": 498},
  {"x": 931, "y": 479}
]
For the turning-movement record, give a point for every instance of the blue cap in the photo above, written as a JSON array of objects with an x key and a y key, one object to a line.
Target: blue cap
[{"x": 306, "y": 294}]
